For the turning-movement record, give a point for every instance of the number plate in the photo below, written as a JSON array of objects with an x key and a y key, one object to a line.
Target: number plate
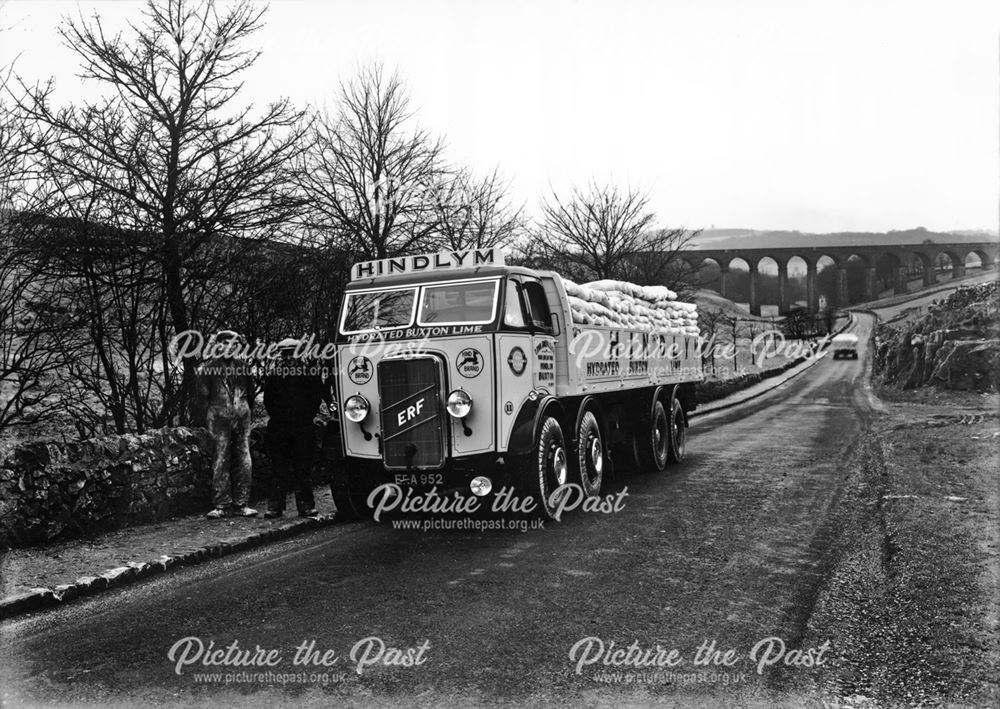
[{"x": 418, "y": 479}]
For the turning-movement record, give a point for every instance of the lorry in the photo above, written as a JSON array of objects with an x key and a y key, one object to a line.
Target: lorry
[{"x": 456, "y": 370}]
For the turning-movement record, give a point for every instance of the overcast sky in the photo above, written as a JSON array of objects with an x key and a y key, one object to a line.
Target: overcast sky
[{"x": 816, "y": 116}]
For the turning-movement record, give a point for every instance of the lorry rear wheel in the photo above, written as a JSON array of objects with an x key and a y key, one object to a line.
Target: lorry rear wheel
[
  {"x": 590, "y": 458},
  {"x": 678, "y": 432},
  {"x": 551, "y": 466},
  {"x": 654, "y": 440}
]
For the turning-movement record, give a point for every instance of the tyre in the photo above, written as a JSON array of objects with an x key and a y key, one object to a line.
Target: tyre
[
  {"x": 550, "y": 467},
  {"x": 627, "y": 457},
  {"x": 349, "y": 495},
  {"x": 590, "y": 458},
  {"x": 340, "y": 492},
  {"x": 678, "y": 433},
  {"x": 653, "y": 439}
]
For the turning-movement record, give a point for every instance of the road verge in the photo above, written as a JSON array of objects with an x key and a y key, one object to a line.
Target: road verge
[{"x": 914, "y": 586}]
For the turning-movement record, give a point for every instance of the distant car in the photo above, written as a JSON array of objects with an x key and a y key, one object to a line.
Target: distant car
[{"x": 845, "y": 345}]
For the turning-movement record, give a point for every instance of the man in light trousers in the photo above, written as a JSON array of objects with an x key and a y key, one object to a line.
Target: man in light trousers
[{"x": 226, "y": 386}]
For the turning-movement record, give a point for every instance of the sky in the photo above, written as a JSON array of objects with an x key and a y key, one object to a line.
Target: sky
[{"x": 809, "y": 116}]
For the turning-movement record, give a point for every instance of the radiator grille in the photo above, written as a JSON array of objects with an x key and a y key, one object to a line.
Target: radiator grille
[{"x": 412, "y": 425}]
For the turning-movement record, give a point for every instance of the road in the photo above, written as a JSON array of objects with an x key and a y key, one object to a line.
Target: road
[{"x": 730, "y": 546}]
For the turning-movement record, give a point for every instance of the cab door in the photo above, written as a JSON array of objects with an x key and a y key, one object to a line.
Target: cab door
[
  {"x": 543, "y": 341},
  {"x": 514, "y": 357}
]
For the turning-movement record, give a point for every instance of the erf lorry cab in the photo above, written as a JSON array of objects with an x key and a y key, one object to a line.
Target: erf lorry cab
[{"x": 454, "y": 368}]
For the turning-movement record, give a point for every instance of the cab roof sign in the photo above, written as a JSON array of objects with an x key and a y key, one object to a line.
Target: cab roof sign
[{"x": 427, "y": 263}]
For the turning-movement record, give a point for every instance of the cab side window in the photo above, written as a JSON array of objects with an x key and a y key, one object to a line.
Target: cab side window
[
  {"x": 513, "y": 310},
  {"x": 538, "y": 305}
]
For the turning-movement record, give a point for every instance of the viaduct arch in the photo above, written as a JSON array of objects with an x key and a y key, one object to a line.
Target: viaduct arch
[{"x": 897, "y": 256}]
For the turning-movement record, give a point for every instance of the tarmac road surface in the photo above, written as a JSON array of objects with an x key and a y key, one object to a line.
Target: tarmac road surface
[{"x": 729, "y": 546}]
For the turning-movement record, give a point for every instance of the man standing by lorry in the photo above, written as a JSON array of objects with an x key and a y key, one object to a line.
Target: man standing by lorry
[
  {"x": 227, "y": 390},
  {"x": 293, "y": 392}
]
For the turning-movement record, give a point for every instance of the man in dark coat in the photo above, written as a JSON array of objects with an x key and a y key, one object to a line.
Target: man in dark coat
[{"x": 293, "y": 392}]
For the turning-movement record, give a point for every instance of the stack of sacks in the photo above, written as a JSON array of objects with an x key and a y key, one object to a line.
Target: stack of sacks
[
  {"x": 651, "y": 294},
  {"x": 621, "y": 304}
]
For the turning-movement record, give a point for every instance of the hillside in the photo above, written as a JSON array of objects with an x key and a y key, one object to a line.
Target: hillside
[
  {"x": 710, "y": 300},
  {"x": 955, "y": 346}
]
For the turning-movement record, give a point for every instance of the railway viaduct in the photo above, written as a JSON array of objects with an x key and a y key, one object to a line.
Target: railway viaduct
[{"x": 897, "y": 256}]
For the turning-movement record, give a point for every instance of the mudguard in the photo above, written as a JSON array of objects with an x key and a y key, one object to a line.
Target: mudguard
[
  {"x": 591, "y": 403},
  {"x": 528, "y": 421},
  {"x": 661, "y": 393}
]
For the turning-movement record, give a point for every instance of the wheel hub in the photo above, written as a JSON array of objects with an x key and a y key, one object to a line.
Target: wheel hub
[
  {"x": 660, "y": 433},
  {"x": 596, "y": 456},
  {"x": 559, "y": 465}
]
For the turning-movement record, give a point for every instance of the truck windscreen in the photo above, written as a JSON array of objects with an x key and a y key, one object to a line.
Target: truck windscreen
[
  {"x": 456, "y": 303},
  {"x": 378, "y": 310}
]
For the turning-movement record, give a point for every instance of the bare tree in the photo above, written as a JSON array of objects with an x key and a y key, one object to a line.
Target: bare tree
[
  {"x": 710, "y": 321},
  {"x": 114, "y": 374},
  {"x": 529, "y": 250},
  {"x": 477, "y": 213},
  {"x": 659, "y": 261},
  {"x": 170, "y": 152},
  {"x": 371, "y": 178},
  {"x": 35, "y": 322},
  {"x": 606, "y": 232},
  {"x": 34, "y": 318},
  {"x": 732, "y": 322}
]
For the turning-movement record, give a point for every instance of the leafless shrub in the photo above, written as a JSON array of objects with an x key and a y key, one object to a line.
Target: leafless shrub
[{"x": 607, "y": 232}]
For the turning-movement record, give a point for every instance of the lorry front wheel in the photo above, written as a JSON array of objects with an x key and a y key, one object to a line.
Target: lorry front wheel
[
  {"x": 349, "y": 496},
  {"x": 654, "y": 440},
  {"x": 551, "y": 467},
  {"x": 590, "y": 458},
  {"x": 678, "y": 432}
]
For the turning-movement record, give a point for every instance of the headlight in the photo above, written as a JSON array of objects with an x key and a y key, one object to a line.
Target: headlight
[
  {"x": 356, "y": 408},
  {"x": 459, "y": 404}
]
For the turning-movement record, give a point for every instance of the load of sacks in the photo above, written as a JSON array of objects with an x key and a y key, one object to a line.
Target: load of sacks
[{"x": 610, "y": 303}]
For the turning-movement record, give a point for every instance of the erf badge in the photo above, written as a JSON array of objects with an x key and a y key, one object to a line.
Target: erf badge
[
  {"x": 469, "y": 363},
  {"x": 517, "y": 361},
  {"x": 359, "y": 370}
]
